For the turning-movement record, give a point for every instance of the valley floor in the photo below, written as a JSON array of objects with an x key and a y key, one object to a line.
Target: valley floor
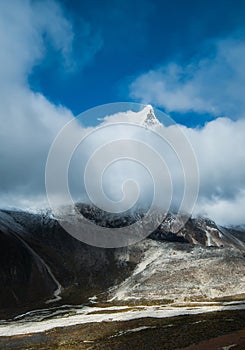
[{"x": 141, "y": 333}]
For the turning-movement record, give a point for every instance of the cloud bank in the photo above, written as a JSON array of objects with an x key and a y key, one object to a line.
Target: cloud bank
[
  {"x": 219, "y": 147},
  {"x": 29, "y": 31}
]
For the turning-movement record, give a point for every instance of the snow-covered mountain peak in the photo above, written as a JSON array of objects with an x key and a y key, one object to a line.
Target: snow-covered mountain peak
[
  {"x": 149, "y": 118},
  {"x": 144, "y": 117}
]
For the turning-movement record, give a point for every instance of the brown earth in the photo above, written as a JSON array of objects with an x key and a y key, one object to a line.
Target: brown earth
[{"x": 235, "y": 341}]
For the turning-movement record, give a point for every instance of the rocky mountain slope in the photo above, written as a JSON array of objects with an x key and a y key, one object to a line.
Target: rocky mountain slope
[{"x": 42, "y": 264}]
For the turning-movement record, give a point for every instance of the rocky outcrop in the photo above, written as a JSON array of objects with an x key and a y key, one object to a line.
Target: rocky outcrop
[{"x": 181, "y": 272}]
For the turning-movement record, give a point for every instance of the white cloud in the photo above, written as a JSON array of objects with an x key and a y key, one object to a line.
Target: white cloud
[
  {"x": 29, "y": 122},
  {"x": 213, "y": 84},
  {"x": 23, "y": 27},
  {"x": 224, "y": 211},
  {"x": 219, "y": 147}
]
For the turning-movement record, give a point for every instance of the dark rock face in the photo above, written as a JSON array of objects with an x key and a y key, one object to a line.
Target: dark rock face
[
  {"x": 162, "y": 235},
  {"x": 38, "y": 257},
  {"x": 23, "y": 279},
  {"x": 105, "y": 219}
]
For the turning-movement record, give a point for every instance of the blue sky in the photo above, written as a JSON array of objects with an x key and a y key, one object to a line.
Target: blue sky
[{"x": 117, "y": 41}]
